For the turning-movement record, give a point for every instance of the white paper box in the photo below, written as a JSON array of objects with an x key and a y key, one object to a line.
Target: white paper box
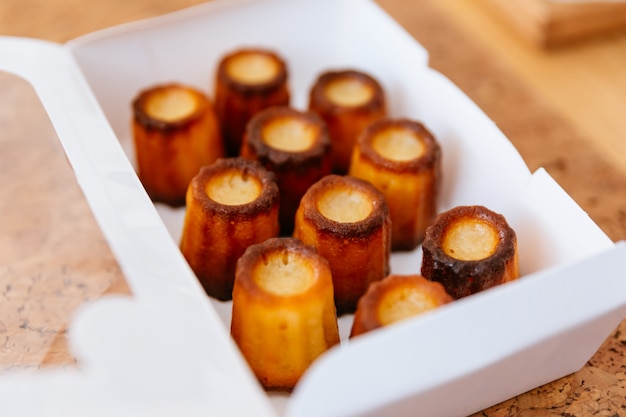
[{"x": 455, "y": 361}]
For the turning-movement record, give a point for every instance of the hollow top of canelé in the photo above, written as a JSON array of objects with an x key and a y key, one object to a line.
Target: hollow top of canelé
[
  {"x": 345, "y": 207},
  {"x": 344, "y": 204},
  {"x": 291, "y": 134},
  {"x": 253, "y": 67},
  {"x": 288, "y": 140},
  {"x": 233, "y": 187},
  {"x": 404, "y": 301},
  {"x": 171, "y": 103},
  {"x": 395, "y": 298},
  {"x": 284, "y": 272},
  {"x": 470, "y": 239},
  {"x": 398, "y": 144},
  {"x": 349, "y": 91}
]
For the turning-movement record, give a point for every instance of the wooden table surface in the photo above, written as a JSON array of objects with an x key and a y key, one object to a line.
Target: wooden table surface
[{"x": 562, "y": 108}]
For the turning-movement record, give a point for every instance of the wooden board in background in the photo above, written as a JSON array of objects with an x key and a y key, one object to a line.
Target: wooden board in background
[{"x": 551, "y": 23}]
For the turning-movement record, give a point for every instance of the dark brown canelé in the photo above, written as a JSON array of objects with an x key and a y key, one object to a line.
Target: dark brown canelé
[
  {"x": 283, "y": 310},
  {"x": 470, "y": 249},
  {"x": 175, "y": 132},
  {"x": 395, "y": 298},
  {"x": 231, "y": 204},
  {"x": 247, "y": 81},
  {"x": 296, "y": 147},
  {"x": 347, "y": 101},
  {"x": 348, "y": 221},
  {"x": 402, "y": 159}
]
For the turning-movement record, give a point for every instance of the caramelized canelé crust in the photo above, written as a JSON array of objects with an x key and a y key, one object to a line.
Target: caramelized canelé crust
[
  {"x": 175, "y": 132},
  {"x": 395, "y": 298},
  {"x": 247, "y": 81},
  {"x": 402, "y": 159},
  {"x": 296, "y": 147},
  {"x": 231, "y": 204},
  {"x": 283, "y": 311},
  {"x": 348, "y": 101},
  {"x": 469, "y": 249},
  {"x": 348, "y": 221}
]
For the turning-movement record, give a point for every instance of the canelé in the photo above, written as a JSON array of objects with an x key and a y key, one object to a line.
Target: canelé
[
  {"x": 347, "y": 101},
  {"x": 247, "y": 81},
  {"x": 175, "y": 132},
  {"x": 231, "y": 204},
  {"x": 296, "y": 147},
  {"x": 283, "y": 314},
  {"x": 402, "y": 159},
  {"x": 348, "y": 221},
  {"x": 470, "y": 249},
  {"x": 395, "y": 298}
]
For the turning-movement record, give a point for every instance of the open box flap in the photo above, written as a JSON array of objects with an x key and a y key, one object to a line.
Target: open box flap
[{"x": 121, "y": 344}]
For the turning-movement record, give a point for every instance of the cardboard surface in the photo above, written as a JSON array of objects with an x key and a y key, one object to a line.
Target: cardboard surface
[{"x": 480, "y": 167}]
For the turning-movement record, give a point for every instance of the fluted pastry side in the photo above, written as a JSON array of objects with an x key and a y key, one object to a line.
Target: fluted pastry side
[
  {"x": 348, "y": 101},
  {"x": 248, "y": 80},
  {"x": 175, "y": 132},
  {"x": 295, "y": 146},
  {"x": 283, "y": 312},
  {"x": 402, "y": 159},
  {"x": 348, "y": 221},
  {"x": 231, "y": 204}
]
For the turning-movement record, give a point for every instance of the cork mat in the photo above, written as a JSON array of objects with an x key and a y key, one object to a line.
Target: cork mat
[
  {"x": 53, "y": 257},
  {"x": 544, "y": 140}
]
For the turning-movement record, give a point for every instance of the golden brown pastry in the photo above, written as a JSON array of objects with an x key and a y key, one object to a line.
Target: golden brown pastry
[
  {"x": 175, "y": 132},
  {"x": 247, "y": 81},
  {"x": 469, "y": 249},
  {"x": 348, "y": 101},
  {"x": 283, "y": 311},
  {"x": 395, "y": 298},
  {"x": 348, "y": 221},
  {"x": 402, "y": 159},
  {"x": 231, "y": 204},
  {"x": 296, "y": 147}
]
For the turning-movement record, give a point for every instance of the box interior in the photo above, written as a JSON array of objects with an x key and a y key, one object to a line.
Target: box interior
[{"x": 480, "y": 164}]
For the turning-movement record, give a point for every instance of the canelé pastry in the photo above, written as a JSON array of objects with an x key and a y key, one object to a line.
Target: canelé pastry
[
  {"x": 469, "y": 249},
  {"x": 395, "y": 298},
  {"x": 348, "y": 221},
  {"x": 348, "y": 101},
  {"x": 403, "y": 160},
  {"x": 175, "y": 132},
  {"x": 231, "y": 204},
  {"x": 247, "y": 81},
  {"x": 296, "y": 147},
  {"x": 283, "y": 311}
]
